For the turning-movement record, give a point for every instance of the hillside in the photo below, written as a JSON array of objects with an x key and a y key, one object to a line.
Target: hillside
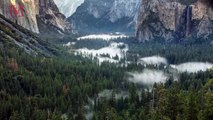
[{"x": 15, "y": 35}]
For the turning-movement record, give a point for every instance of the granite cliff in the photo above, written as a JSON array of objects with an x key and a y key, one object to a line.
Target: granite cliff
[
  {"x": 174, "y": 20},
  {"x": 13, "y": 35},
  {"x": 39, "y": 16}
]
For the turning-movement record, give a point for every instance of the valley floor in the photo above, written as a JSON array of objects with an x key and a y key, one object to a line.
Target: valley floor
[{"x": 111, "y": 78}]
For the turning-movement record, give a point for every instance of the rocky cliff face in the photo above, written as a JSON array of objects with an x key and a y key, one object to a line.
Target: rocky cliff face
[
  {"x": 13, "y": 35},
  {"x": 28, "y": 20},
  {"x": 50, "y": 19},
  {"x": 68, "y": 7},
  {"x": 106, "y": 15},
  {"x": 123, "y": 8},
  {"x": 174, "y": 20},
  {"x": 39, "y": 16}
]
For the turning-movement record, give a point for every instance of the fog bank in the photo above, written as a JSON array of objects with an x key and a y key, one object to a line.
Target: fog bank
[
  {"x": 107, "y": 53},
  {"x": 193, "y": 67},
  {"x": 153, "y": 60},
  {"x": 148, "y": 77},
  {"x": 106, "y": 37}
]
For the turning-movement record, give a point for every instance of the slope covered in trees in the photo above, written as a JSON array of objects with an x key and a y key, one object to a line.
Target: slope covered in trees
[{"x": 59, "y": 88}]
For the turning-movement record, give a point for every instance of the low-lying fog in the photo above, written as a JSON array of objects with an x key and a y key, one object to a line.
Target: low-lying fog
[
  {"x": 192, "y": 67},
  {"x": 153, "y": 60},
  {"x": 115, "y": 51},
  {"x": 148, "y": 77},
  {"x": 106, "y": 37},
  {"x": 104, "y": 95},
  {"x": 112, "y": 53},
  {"x": 69, "y": 44}
]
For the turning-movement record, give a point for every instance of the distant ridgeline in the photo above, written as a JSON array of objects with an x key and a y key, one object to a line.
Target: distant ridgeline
[
  {"x": 39, "y": 16},
  {"x": 101, "y": 16}
]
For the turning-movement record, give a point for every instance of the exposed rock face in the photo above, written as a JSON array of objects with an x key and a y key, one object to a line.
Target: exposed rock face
[
  {"x": 35, "y": 15},
  {"x": 17, "y": 35},
  {"x": 68, "y": 7},
  {"x": 106, "y": 15},
  {"x": 50, "y": 19},
  {"x": 174, "y": 20},
  {"x": 202, "y": 11},
  {"x": 28, "y": 20},
  {"x": 123, "y": 8}
]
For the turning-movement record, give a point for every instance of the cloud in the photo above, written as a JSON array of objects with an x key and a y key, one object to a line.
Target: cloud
[{"x": 148, "y": 77}]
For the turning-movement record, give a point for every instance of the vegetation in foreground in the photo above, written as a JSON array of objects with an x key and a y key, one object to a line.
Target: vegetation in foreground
[{"x": 39, "y": 88}]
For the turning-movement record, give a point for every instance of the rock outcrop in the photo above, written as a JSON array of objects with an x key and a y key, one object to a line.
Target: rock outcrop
[
  {"x": 39, "y": 16},
  {"x": 50, "y": 20},
  {"x": 28, "y": 19},
  {"x": 174, "y": 20}
]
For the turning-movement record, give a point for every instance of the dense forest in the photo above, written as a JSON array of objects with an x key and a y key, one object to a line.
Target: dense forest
[
  {"x": 175, "y": 52},
  {"x": 58, "y": 88},
  {"x": 189, "y": 50}
]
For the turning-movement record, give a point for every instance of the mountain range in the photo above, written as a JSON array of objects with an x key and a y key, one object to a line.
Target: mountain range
[
  {"x": 106, "y": 16},
  {"x": 169, "y": 20}
]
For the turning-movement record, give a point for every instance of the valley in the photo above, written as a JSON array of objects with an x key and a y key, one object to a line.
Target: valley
[
  {"x": 106, "y": 60},
  {"x": 152, "y": 62}
]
